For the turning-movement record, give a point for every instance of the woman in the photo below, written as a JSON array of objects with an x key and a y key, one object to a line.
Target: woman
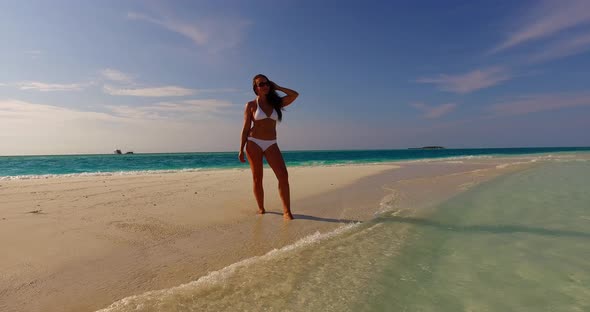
[{"x": 260, "y": 122}]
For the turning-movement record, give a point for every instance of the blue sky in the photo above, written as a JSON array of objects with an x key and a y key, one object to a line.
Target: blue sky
[{"x": 173, "y": 76}]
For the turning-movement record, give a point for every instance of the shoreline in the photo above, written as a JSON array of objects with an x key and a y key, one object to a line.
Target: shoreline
[
  {"x": 293, "y": 163},
  {"x": 113, "y": 244}
]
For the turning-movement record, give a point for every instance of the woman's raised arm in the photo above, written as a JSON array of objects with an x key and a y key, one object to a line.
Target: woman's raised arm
[{"x": 290, "y": 96}]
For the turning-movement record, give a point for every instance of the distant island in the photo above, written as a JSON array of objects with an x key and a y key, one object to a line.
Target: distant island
[
  {"x": 428, "y": 147},
  {"x": 118, "y": 152}
]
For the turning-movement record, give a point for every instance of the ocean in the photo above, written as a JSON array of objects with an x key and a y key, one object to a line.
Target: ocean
[
  {"x": 520, "y": 242},
  {"x": 25, "y": 167}
]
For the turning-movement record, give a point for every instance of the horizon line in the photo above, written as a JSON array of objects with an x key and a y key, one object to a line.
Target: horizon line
[{"x": 306, "y": 150}]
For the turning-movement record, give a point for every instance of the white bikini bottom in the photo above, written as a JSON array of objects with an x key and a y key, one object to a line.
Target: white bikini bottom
[{"x": 264, "y": 144}]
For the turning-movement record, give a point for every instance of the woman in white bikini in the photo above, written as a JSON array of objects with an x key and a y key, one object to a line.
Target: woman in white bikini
[{"x": 260, "y": 122}]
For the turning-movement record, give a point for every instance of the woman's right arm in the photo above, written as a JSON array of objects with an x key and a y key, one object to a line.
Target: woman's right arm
[{"x": 245, "y": 130}]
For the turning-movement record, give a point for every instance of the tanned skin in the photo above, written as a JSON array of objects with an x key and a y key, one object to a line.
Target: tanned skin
[{"x": 265, "y": 129}]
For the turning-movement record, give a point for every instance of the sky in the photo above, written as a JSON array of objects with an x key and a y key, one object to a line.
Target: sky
[{"x": 86, "y": 77}]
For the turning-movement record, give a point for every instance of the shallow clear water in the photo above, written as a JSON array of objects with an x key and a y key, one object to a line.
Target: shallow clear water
[{"x": 518, "y": 243}]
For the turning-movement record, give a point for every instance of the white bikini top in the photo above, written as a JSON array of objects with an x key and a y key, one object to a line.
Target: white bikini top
[{"x": 260, "y": 114}]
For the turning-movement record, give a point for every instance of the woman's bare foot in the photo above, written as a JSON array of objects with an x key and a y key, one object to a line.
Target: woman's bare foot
[
  {"x": 261, "y": 211},
  {"x": 287, "y": 216}
]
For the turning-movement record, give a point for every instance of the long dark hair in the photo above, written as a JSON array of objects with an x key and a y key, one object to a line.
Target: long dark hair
[{"x": 272, "y": 97}]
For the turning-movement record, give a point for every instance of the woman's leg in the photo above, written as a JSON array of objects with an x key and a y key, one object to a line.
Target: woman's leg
[
  {"x": 277, "y": 163},
  {"x": 254, "y": 154}
]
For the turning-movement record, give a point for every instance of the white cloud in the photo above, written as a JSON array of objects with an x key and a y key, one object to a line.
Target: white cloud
[
  {"x": 540, "y": 102},
  {"x": 220, "y": 90},
  {"x": 47, "y": 87},
  {"x": 469, "y": 82},
  {"x": 149, "y": 92},
  {"x": 34, "y": 54},
  {"x": 548, "y": 18},
  {"x": 14, "y": 110},
  {"x": 31, "y": 128},
  {"x": 132, "y": 88},
  {"x": 117, "y": 76},
  {"x": 189, "y": 109},
  {"x": 432, "y": 112},
  {"x": 135, "y": 113},
  {"x": 215, "y": 33},
  {"x": 566, "y": 47},
  {"x": 208, "y": 105},
  {"x": 192, "y": 32}
]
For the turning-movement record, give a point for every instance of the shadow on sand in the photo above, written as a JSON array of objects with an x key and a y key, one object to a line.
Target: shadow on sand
[{"x": 312, "y": 218}]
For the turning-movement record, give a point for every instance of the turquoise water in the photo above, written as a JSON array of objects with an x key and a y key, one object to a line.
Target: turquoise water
[
  {"x": 518, "y": 243},
  {"x": 16, "y": 166}
]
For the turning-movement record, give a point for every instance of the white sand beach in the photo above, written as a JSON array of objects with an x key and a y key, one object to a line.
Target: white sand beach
[{"x": 82, "y": 243}]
